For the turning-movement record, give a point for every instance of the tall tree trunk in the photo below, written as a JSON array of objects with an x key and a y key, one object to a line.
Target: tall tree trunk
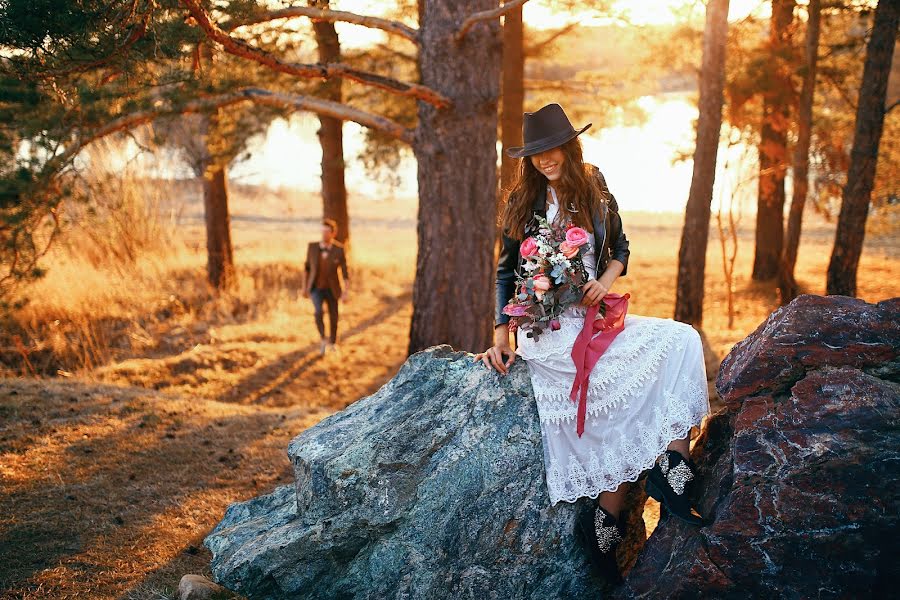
[
  {"x": 212, "y": 170},
  {"x": 331, "y": 136},
  {"x": 513, "y": 93},
  {"x": 220, "y": 259},
  {"x": 456, "y": 150},
  {"x": 773, "y": 146},
  {"x": 695, "y": 235},
  {"x": 787, "y": 282},
  {"x": 870, "y": 110}
]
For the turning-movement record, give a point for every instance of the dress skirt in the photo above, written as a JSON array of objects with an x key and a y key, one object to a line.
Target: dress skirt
[{"x": 648, "y": 389}]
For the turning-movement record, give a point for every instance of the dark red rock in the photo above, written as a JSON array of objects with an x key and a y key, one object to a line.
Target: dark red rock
[
  {"x": 810, "y": 332},
  {"x": 799, "y": 471}
]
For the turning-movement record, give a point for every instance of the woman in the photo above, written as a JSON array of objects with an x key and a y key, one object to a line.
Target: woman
[{"x": 646, "y": 391}]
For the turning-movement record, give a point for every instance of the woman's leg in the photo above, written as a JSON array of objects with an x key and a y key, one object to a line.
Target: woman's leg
[
  {"x": 613, "y": 502},
  {"x": 682, "y": 446}
]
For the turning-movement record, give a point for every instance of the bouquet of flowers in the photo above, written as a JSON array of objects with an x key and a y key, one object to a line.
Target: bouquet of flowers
[{"x": 552, "y": 277}]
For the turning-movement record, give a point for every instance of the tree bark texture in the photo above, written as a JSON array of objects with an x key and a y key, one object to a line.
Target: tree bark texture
[
  {"x": 220, "y": 259},
  {"x": 331, "y": 136},
  {"x": 453, "y": 293},
  {"x": 773, "y": 145},
  {"x": 695, "y": 234},
  {"x": 870, "y": 111},
  {"x": 513, "y": 98},
  {"x": 787, "y": 282}
]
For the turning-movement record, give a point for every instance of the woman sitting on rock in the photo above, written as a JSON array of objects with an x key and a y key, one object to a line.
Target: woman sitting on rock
[{"x": 646, "y": 391}]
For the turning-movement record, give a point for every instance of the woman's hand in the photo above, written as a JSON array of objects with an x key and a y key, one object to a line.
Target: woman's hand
[
  {"x": 493, "y": 357},
  {"x": 594, "y": 290}
]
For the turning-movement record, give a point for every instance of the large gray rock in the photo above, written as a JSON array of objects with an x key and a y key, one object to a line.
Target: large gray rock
[{"x": 431, "y": 488}]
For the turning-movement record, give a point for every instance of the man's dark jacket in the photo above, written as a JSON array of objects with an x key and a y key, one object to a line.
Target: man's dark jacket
[
  {"x": 336, "y": 259},
  {"x": 608, "y": 236}
]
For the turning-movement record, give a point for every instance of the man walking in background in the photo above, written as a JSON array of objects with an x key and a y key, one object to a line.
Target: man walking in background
[{"x": 322, "y": 282}]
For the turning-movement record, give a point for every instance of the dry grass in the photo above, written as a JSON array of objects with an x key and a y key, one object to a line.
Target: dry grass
[{"x": 178, "y": 403}]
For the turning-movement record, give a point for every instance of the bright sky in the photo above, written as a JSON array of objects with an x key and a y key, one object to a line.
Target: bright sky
[
  {"x": 640, "y": 12},
  {"x": 541, "y": 14}
]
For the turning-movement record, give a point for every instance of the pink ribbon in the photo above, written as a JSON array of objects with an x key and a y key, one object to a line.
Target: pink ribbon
[{"x": 588, "y": 349}]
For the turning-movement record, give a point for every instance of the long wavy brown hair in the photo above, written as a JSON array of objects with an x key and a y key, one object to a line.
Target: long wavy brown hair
[{"x": 575, "y": 187}]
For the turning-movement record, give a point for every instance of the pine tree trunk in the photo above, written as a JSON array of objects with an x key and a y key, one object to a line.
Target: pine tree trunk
[
  {"x": 851, "y": 227},
  {"x": 220, "y": 260},
  {"x": 513, "y": 97},
  {"x": 773, "y": 147},
  {"x": 695, "y": 235},
  {"x": 787, "y": 282},
  {"x": 453, "y": 294},
  {"x": 331, "y": 136}
]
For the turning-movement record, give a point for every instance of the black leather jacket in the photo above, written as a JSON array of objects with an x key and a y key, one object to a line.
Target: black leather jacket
[{"x": 608, "y": 236}]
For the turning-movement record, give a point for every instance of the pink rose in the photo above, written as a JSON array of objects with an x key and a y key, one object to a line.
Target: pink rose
[
  {"x": 528, "y": 248},
  {"x": 514, "y": 310},
  {"x": 568, "y": 250},
  {"x": 541, "y": 282},
  {"x": 541, "y": 285},
  {"x": 576, "y": 236},
  {"x": 554, "y": 324}
]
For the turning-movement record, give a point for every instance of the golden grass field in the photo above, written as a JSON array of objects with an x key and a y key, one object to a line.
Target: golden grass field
[{"x": 168, "y": 403}]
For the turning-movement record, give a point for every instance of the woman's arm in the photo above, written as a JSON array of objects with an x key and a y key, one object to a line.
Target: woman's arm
[
  {"x": 619, "y": 243},
  {"x": 620, "y": 251},
  {"x": 595, "y": 289},
  {"x": 507, "y": 263},
  {"x": 618, "y": 265}
]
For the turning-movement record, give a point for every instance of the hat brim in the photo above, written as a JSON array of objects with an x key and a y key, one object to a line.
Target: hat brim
[{"x": 546, "y": 143}]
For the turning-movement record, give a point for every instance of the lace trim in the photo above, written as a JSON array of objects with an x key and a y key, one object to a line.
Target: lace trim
[
  {"x": 552, "y": 397},
  {"x": 629, "y": 460}
]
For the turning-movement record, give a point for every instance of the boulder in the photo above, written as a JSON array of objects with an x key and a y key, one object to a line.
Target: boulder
[
  {"x": 198, "y": 587},
  {"x": 433, "y": 487},
  {"x": 799, "y": 470},
  {"x": 809, "y": 332}
]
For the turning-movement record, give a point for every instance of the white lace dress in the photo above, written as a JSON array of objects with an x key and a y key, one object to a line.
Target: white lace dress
[{"x": 647, "y": 389}]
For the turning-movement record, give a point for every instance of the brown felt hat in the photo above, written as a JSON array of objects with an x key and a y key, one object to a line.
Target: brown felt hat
[{"x": 544, "y": 129}]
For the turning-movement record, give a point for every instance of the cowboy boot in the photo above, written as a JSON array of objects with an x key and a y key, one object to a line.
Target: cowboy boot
[
  {"x": 668, "y": 482},
  {"x": 602, "y": 533}
]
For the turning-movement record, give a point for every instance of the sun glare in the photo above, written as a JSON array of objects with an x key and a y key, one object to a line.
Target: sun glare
[{"x": 289, "y": 155}]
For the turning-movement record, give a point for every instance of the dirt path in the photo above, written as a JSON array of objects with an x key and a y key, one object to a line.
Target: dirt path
[{"x": 108, "y": 490}]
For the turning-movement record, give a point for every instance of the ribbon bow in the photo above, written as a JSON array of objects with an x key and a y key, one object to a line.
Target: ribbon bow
[{"x": 588, "y": 349}]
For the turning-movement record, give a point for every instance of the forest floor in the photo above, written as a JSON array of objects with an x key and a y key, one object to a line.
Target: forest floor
[{"x": 160, "y": 406}]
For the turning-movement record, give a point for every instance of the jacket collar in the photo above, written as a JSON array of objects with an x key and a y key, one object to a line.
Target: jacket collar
[{"x": 539, "y": 204}]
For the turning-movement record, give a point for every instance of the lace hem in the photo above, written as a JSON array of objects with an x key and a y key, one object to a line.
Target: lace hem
[
  {"x": 554, "y": 404},
  {"x": 630, "y": 460}
]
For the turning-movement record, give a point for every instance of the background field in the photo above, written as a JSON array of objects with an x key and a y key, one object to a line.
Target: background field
[{"x": 164, "y": 404}]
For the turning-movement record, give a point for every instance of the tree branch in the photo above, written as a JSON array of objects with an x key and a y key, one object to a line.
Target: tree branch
[
  {"x": 324, "y": 14},
  {"x": 241, "y": 48},
  {"x": 536, "y": 49},
  {"x": 138, "y": 30},
  {"x": 257, "y": 95},
  {"x": 486, "y": 15},
  {"x": 387, "y": 48},
  {"x": 330, "y": 108}
]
